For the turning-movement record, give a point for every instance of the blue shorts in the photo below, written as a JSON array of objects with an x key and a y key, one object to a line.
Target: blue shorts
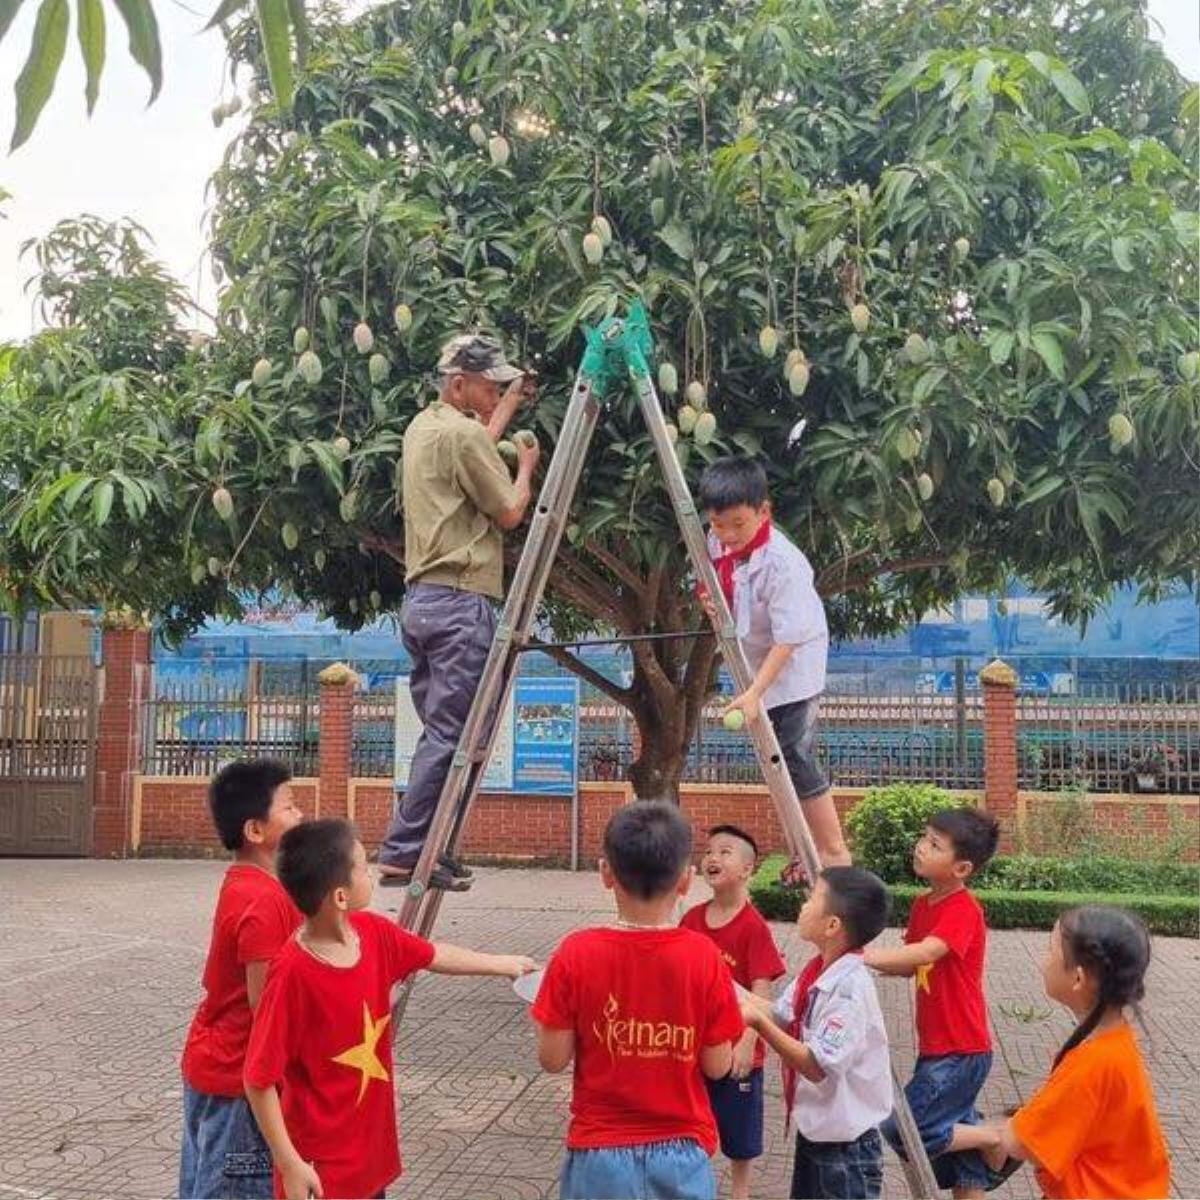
[
  {"x": 838, "y": 1170},
  {"x": 738, "y": 1106},
  {"x": 223, "y": 1156},
  {"x": 942, "y": 1094},
  {"x": 675, "y": 1170}
]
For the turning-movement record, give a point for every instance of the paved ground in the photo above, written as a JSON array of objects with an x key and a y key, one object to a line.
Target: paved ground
[{"x": 99, "y": 974}]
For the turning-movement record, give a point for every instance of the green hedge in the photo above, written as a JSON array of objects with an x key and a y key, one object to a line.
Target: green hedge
[
  {"x": 1175, "y": 916},
  {"x": 1096, "y": 873}
]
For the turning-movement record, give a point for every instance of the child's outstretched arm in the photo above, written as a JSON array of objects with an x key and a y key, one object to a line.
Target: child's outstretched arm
[
  {"x": 300, "y": 1179},
  {"x": 904, "y": 960},
  {"x": 750, "y": 701},
  {"x": 458, "y": 960},
  {"x": 793, "y": 1052}
]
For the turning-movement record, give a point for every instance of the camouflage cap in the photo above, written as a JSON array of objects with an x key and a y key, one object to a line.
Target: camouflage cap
[{"x": 474, "y": 354}]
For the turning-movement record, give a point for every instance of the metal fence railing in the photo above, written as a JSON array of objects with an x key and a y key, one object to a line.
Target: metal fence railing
[
  {"x": 1117, "y": 737},
  {"x": 1140, "y": 738},
  {"x": 862, "y": 741}
]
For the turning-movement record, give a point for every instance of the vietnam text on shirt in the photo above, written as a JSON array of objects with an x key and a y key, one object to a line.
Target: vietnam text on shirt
[
  {"x": 843, "y": 1027},
  {"x": 775, "y": 603}
]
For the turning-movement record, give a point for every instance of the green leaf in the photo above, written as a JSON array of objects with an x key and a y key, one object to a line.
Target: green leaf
[
  {"x": 102, "y": 499},
  {"x": 1002, "y": 347},
  {"x": 90, "y": 16},
  {"x": 144, "y": 45},
  {"x": 678, "y": 237},
  {"x": 8, "y": 10},
  {"x": 36, "y": 81},
  {"x": 1041, "y": 489},
  {"x": 928, "y": 381},
  {"x": 1070, "y": 89},
  {"x": 225, "y": 10},
  {"x": 1122, "y": 249},
  {"x": 75, "y": 491},
  {"x": 1049, "y": 351},
  {"x": 981, "y": 80},
  {"x": 273, "y": 28},
  {"x": 56, "y": 489}
]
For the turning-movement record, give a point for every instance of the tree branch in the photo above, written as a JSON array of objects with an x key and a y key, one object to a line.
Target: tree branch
[
  {"x": 623, "y": 696},
  {"x": 625, "y": 574},
  {"x": 899, "y": 566}
]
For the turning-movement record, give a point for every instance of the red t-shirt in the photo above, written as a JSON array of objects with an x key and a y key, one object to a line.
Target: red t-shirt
[
  {"x": 643, "y": 1004},
  {"x": 951, "y": 1010},
  {"x": 254, "y": 918},
  {"x": 322, "y": 1034},
  {"x": 747, "y": 947}
]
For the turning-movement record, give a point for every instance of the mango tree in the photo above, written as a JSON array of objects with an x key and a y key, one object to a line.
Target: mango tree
[{"x": 937, "y": 266}]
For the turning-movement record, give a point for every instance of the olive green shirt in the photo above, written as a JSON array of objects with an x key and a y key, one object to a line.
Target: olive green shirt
[{"x": 454, "y": 484}]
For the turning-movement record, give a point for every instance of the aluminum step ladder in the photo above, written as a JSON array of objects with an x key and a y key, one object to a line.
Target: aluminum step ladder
[{"x": 618, "y": 350}]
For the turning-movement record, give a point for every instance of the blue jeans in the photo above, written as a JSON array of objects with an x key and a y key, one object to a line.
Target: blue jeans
[
  {"x": 676, "y": 1170},
  {"x": 838, "y": 1170},
  {"x": 942, "y": 1094},
  {"x": 223, "y": 1156}
]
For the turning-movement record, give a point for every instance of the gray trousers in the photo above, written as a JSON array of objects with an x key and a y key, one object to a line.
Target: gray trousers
[{"x": 448, "y": 634}]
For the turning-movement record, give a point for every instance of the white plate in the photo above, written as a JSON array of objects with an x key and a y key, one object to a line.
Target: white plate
[{"x": 527, "y": 985}]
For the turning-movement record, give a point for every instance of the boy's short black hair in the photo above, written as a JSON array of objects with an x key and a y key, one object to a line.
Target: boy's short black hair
[
  {"x": 242, "y": 792},
  {"x": 734, "y": 831},
  {"x": 973, "y": 834},
  {"x": 647, "y": 845},
  {"x": 314, "y": 858},
  {"x": 731, "y": 481},
  {"x": 860, "y": 900}
]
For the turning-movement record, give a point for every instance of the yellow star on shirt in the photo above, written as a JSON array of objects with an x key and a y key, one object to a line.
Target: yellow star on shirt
[
  {"x": 922, "y": 974},
  {"x": 363, "y": 1057}
]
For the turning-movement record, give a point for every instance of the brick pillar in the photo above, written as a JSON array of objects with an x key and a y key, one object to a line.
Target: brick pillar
[
  {"x": 336, "y": 737},
  {"x": 126, "y": 659},
  {"x": 1000, "y": 746}
]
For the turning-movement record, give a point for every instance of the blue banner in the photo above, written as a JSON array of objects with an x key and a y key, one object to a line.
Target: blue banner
[{"x": 546, "y": 735}]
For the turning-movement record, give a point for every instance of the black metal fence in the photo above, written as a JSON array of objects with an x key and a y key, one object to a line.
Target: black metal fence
[{"x": 1116, "y": 737}]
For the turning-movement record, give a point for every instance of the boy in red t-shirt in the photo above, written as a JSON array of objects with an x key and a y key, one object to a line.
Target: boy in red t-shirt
[
  {"x": 734, "y": 925},
  {"x": 223, "y": 1153},
  {"x": 647, "y": 1011},
  {"x": 321, "y": 1031},
  {"x": 946, "y": 941}
]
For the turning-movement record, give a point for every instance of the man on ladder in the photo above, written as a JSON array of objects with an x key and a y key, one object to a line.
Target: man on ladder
[{"x": 458, "y": 500}]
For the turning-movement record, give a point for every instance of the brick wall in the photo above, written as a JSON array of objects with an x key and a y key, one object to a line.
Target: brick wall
[{"x": 171, "y": 815}]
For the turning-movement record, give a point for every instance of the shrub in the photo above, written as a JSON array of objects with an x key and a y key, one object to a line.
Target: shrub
[
  {"x": 1007, "y": 908},
  {"x": 1100, "y": 873},
  {"x": 886, "y": 823}
]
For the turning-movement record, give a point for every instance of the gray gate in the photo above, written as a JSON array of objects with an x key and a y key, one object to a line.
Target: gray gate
[{"x": 47, "y": 749}]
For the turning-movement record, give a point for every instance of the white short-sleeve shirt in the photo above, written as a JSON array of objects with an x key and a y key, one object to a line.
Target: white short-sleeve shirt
[
  {"x": 843, "y": 1027},
  {"x": 775, "y": 603}
]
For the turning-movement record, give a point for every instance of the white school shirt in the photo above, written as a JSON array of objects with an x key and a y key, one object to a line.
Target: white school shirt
[
  {"x": 843, "y": 1027},
  {"x": 774, "y": 604}
]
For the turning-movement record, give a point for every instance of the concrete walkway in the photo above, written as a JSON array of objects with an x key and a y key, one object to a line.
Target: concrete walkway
[{"x": 99, "y": 975}]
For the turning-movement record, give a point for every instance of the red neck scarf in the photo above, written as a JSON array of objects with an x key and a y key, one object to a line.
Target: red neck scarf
[
  {"x": 726, "y": 562},
  {"x": 813, "y": 971}
]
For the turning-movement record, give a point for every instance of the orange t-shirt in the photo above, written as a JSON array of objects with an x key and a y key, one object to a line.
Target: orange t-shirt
[{"x": 1093, "y": 1127}]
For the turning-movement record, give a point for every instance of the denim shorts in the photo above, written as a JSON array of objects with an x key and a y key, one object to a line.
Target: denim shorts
[
  {"x": 675, "y": 1170},
  {"x": 838, "y": 1170},
  {"x": 942, "y": 1094},
  {"x": 796, "y": 728},
  {"x": 223, "y": 1156},
  {"x": 737, "y": 1105}
]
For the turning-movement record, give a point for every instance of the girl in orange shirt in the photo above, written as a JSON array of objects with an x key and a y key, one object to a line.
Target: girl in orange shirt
[{"x": 1092, "y": 1129}]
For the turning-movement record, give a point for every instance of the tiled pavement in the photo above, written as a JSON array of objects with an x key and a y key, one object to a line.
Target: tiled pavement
[{"x": 99, "y": 974}]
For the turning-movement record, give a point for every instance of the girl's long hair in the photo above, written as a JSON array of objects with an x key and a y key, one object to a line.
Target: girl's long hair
[{"x": 1112, "y": 946}]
